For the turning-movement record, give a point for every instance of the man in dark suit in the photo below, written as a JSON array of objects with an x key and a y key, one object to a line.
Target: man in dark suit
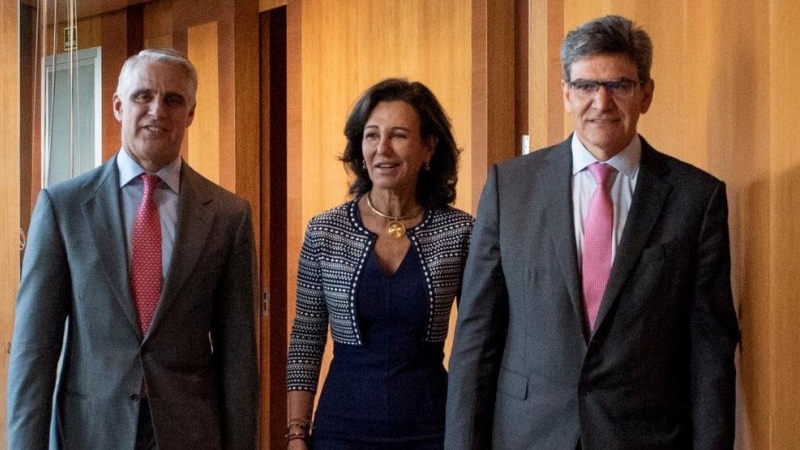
[
  {"x": 184, "y": 374},
  {"x": 549, "y": 353}
]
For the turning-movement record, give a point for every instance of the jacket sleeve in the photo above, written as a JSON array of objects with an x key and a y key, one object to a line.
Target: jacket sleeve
[
  {"x": 234, "y": 336},
  {"x": 310, "y": 327},
  {"x": 714, "y": 333},
  {"x": 480, "y": 333},
  {"x": 42, "y": 308}
]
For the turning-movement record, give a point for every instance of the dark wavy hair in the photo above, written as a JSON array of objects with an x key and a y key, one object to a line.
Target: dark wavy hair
[{"x": 436, "y": 187}]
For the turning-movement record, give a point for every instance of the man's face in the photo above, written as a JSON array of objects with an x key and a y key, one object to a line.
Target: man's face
[
  {"x": 605, "y": 119},
  {"x": 154, "y": 109}
]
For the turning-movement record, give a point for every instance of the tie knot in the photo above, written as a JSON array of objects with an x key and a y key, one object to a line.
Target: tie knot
[
  {"x": 601, "y": 173},
  {"x": 150, "y": 183}
]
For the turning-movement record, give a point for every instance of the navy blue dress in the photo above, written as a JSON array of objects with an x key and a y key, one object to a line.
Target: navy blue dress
[{"x": 388, "y": 393}]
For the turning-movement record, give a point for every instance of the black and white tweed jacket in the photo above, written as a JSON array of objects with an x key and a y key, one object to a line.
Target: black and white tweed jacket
[{"x": 335, "y": 248}]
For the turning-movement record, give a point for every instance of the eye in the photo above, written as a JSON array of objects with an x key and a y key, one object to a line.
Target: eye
[
  {"x": 584, "y": 86},
  {"x": 615, "y": 86},
  {"x": 370, "y": 135},
  {"x": 175, "y": 101},
  {"x": 142, "y": 97}
]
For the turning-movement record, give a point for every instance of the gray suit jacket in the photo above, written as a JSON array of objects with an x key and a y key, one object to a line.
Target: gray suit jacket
[
  {"x": 658, "y": 372},
  {"x": 198, "y": 358}
]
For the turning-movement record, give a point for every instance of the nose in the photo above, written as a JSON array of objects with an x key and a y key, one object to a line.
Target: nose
[
  {"x": 602, "y": 98},
  {"x": 156, "y": 106},
  {"x": 383, "y": 146}
]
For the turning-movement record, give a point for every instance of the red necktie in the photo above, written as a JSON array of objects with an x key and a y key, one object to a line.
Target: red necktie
[
  {"x": 597, "y": 242},
  {"x": 146, "y": 264}
]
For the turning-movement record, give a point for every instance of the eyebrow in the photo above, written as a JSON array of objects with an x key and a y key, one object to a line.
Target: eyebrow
[
  {"x": 136, "y": 92},
  {"x": 151, "y": 91},
  {"x": 390, "y": 128}
]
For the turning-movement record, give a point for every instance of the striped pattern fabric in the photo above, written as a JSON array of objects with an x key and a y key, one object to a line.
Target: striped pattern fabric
[{"x": 331, "y": 260}]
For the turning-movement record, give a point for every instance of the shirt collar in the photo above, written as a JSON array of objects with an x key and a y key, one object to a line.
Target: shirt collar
[
  {"x": 129, "y": 169},
  {"x": 626, "y": 161}
]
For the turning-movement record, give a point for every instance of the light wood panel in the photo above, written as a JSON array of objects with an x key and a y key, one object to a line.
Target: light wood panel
[
  {"x": 784, "y": 293},
  {"x": 546, "y": 109},
  {"x": 9, "y": 189},
  {"x": 264, "y": 5},
  {"x": 347, "y": 47},
  {"x": 203, "y": 134}
]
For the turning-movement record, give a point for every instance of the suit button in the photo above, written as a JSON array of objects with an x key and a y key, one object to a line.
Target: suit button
[
  {"x": 584, "y": 391},
  {"x": 135, "y": 397}
]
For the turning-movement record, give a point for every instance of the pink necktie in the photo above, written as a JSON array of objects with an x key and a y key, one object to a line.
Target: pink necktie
[
  {"x": 146, "y": 264},
  {"x": 597, "y": 242}
]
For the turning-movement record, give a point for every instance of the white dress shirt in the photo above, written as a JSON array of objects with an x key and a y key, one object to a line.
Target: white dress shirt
[
  {"x": 166, "y": 198},
  {"x": 583, "y": 185}
]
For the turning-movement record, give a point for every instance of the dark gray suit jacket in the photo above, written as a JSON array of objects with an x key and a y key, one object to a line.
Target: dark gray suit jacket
[
  {"x": 199, "y": 357},
  {"x": 658, "y": 372}
]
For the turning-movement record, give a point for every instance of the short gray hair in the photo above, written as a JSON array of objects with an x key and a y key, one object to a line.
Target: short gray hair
[
  {"x": 609, "y": 35},
  {"x": 166, "y": 55}
]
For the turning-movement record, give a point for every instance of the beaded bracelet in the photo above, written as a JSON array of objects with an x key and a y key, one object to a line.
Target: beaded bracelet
[
  {"x": 299, "y": 423},
  {"x": 298, "y": 429},
  {"x": 292, "y": 436}
]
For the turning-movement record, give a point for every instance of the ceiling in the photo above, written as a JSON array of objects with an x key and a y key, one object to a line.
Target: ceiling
[{"x": 85, "y": 8}]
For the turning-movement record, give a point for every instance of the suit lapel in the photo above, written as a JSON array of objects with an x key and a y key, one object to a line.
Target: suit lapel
[
  {"x": 195, "y": 220},
  {"x": 103, "y": 213},
  {"x": 648, "y": 201},
  {"x": 558, "y": 192}
]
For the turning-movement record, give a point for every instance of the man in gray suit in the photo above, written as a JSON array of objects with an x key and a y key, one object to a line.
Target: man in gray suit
[
  {"x": 187, "y": 378},
  {"x": 550, "y": 355}
]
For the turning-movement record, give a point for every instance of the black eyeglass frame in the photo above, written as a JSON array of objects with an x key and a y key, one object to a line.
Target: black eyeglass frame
[{"x": 621, "y": 87}]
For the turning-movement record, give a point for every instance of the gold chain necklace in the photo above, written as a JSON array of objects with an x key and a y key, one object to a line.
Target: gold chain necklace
[{"x": 395, "y": 227}]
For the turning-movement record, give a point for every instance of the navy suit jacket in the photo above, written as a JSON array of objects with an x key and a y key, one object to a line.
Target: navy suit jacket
[
  {"x": 198, "y": 358},
  {"x": 658, "y": 371}
]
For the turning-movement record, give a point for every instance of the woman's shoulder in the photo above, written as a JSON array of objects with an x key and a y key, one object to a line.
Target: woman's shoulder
[
  {"x": 340, "y": 215},
  {"x": 447, "y": 221},
  {"x": 450, "y": 215}
]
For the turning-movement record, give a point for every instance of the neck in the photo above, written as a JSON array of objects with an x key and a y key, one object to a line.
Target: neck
[{"x": 386, "y": 210}]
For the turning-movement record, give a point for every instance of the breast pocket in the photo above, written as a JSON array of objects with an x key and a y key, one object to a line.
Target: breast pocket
[{"x": 666, "y": 250}]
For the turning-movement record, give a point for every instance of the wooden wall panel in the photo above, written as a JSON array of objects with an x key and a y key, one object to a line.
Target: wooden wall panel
[
  {"x": 494, "y": 136},
  {"x": 347, "y": 47},
  {"x": 204, "y": 133},
  {"x": 784, "y": 293},
  {"x": 157, "y": 30},
  {"x": 114, "y": 47},
  {"x": 545, "y": 107},
  {"x": 264, "y": 5},
  {"x": 9, "y": 188}
]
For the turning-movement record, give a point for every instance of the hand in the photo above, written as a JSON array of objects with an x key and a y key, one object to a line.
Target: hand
[{"x": 297, "y": 444}]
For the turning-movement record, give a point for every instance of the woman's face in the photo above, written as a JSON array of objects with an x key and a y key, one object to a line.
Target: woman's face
[{"x": 393, "y": 148}]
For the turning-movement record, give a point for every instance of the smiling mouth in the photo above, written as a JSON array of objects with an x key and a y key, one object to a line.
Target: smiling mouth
[
  {"x": 385, "y": 166},
  {"x": 155, "y": 129}
]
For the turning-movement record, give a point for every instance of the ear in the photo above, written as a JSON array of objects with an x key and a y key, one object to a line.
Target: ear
[
  {"x": 565, "y": 96},
  {"x": 431, "y": 144},
  {"x": 191, "y": 115},
  {"x": 117, "y": 102},
  {"x": 647, "y": 96}
]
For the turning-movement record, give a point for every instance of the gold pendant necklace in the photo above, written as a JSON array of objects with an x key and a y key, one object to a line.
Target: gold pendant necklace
[{"x": 395, "y": 227}]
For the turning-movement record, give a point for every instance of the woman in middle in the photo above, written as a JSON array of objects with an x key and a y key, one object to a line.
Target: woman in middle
[{"x": 382, "y": 270}]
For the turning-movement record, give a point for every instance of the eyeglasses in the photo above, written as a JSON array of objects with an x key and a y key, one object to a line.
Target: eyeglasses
[{"x": 622, "y": 89}]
